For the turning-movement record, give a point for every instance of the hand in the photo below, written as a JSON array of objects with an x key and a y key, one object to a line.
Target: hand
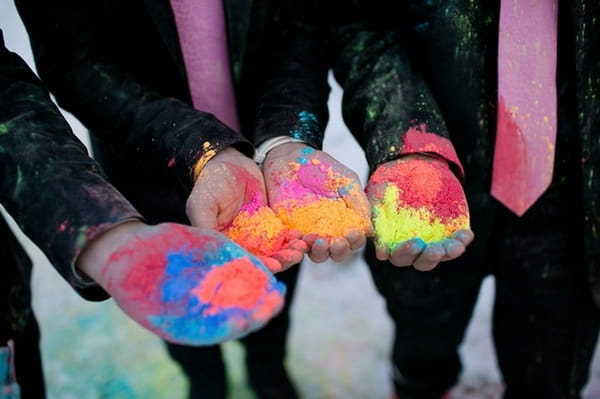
[
  {"x": 187, "y": 285},
  {"x": 230, "y": 192},
  {"x": 227, "y": 182},
  {"x": 313, "y": 193},
  {"x": 420, "y": 213}
]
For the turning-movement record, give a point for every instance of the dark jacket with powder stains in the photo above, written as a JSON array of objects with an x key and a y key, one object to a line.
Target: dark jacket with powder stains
[
  {"x": 117, "y": 66},
  {"x": 432, "y": 64},
  {"x": 57, "y": 195}
]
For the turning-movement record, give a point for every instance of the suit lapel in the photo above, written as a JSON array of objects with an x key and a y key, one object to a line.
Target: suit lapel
[
  {"x": 160, "y": 13},
  {"x": 238, "y": 14}
]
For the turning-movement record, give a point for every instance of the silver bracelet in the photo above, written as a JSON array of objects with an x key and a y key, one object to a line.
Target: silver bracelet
[{"x": 263, "y": 149}]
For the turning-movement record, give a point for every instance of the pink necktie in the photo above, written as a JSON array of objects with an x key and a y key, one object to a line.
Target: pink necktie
[
  {"x": 526, "y": 127},
  {"x": 203, "y": 40}
]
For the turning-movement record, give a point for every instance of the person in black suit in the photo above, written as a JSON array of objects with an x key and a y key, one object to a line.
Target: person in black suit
[
  {"x": 118, "y": 67},
  {"x": 420, "y": 83}
]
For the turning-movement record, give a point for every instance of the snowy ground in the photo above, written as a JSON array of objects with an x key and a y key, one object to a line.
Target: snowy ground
[{"x": 339, "y": 342}]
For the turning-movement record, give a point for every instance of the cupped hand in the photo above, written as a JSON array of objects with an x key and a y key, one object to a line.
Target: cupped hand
[
  {"x": 420, "y": 213},
  {"x": 228, "y": 181},
  {"x": 313, "y": 193},
  {"x": 230, "y": 192},
  {"x": 187, "y": 285}
]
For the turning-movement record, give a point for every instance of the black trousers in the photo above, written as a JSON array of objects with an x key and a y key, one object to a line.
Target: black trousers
[
  {"x": 545, "y": 325},
  {"x": 17, "y": 321}
]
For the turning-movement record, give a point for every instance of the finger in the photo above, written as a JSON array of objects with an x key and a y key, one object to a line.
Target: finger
[
  {"x": 430, "y": 257},
  {"x": 356, "y": 238},
  {"x": 339, "y": 249},
  {"x": 310, "y": 239},
  {"x": 453, "y": 249},
  {"x": 297, "y": 245},
  {"x": 292, "y": 235},
  {"x": 355, "y": 199},
  {"x": 202, "y": 215},
  {"x": 288, "y": 258},
  {"x": 382, "y": 253},
  {"x": 271, "y": 263},
  {"x": 464, "y": 235},
  {"x": 405, "y": 253},
  {"x": 319, "y": 251}
]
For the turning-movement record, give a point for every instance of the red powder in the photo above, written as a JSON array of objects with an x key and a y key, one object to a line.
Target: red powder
[
  {"x": 424, "y": 183},
  {"x": 418, "y": 140},
  {"x": 509, "y": 153},
  {"x": 146, "y": 256}
]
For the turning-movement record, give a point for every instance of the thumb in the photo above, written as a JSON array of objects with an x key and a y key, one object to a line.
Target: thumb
[
  {"x": 358, "y": 202},
  {"x": 202, "y": 215}
]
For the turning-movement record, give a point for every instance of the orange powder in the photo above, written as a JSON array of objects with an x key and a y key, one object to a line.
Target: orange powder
[
  {"x": 245, "y": 287},
  {"x": 258, "y": 231},
  {"x": 326, "y": 217}
]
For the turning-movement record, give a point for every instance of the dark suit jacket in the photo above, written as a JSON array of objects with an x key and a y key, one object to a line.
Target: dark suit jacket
[
  {"x": 432, "y": 65},
  {"x": 51, "y": 187},
  {"x": 117, "y": 66}
]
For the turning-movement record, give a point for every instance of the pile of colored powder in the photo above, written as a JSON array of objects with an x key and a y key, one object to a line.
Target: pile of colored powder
[
  {"x": 194, "y": 289},
  {"x": 326, "y": 217},
  {"x": 239, "y": 284},
  {"x": 422, "y": 199},
  {"x": 258, "y": 230},
  {"x": 310, "y": 201}
]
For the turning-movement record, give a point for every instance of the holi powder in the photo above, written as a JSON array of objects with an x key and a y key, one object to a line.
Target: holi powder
[
  {"x": 326, "y": 217},
  {"x": 208, "y": 152},
  {"x": 421, "y": 199},
  {"x": 196, "y": 291},
  {"x": 311, "y": 201},
  {"x": 258, "y": 230},
  {"x": 418, "y": 139}
]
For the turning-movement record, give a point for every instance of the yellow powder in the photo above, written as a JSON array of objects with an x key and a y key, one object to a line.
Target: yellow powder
[
  {"x": 326, "y": 217},
  {"x": 393, "y": 225}
]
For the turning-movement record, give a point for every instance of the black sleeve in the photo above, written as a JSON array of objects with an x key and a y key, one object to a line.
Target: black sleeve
[{"x": 51, "y": 187}]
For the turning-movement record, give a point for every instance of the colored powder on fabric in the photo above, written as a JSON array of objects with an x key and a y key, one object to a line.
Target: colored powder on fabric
[
  {"x": 326, "y": 217},
  {"x": 418, "y": 139},
  {"x": 208, "y": 152},
  {"x": 422, "y": 199}
]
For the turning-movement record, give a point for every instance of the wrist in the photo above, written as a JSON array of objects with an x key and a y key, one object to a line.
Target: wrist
[
  {"x": 94, "y": 256},
  {"x": 263, "y": 149}
]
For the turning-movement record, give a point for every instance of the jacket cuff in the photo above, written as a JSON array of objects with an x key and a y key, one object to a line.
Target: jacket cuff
[{"x": 417, "y": 139}]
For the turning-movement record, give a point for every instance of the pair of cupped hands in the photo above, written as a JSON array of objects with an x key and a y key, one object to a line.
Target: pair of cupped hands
[
  {"x": 170, "y": 277},
  {"x": 230, "y": 179}
]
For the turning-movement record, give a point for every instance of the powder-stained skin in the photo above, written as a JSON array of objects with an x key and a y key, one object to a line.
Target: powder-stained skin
[
  {"x": 191, "y": 289},
  {"x": 258, "y": 230},
  {"x": 417, "y": 198},
  {"x": 312, "y": 198}
]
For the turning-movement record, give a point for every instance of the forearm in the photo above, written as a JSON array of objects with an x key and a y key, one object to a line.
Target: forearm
[
  {"x": 131, "y": 109},
  {"x": 48, "y": 183},
  {"x": 295, "y": 93},
  {"x": 387, "y": 104}
]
